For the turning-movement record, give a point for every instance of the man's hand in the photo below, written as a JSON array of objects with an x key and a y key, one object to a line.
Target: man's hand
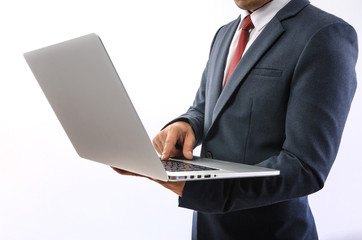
[
  {"x": 175, "y": 140},
  {"x": 176, "y": 187}
]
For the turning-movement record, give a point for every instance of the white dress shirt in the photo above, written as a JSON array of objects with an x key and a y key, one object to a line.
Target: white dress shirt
[{"x": 260, "y": 18}]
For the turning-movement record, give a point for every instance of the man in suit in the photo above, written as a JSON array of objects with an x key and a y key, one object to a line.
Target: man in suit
[{"x": 284, "y": 106}]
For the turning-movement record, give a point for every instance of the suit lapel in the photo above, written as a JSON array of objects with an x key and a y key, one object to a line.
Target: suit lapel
[
  {"x": 265, "y": 40},
  {"x": 256, "y": 50},
  {"x": 214, "y": 86}
]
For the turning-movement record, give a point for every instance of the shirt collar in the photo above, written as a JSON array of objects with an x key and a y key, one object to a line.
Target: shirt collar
[{"x": 262, "y": 16}]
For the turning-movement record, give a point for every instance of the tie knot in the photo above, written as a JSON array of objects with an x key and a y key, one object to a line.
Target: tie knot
[{"x": 247, "y": 24}]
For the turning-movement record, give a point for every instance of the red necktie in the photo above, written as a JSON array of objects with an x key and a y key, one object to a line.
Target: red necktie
[{"x": 243, "y": 40}]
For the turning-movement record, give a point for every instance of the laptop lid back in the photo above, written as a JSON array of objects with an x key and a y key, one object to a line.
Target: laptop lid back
[{"x": 84, "y": 90}]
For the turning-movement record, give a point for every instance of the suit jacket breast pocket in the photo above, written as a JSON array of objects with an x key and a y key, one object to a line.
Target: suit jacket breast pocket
[
  {"x": 266, "y": 72},
  {"x": 264, "y": 82}
]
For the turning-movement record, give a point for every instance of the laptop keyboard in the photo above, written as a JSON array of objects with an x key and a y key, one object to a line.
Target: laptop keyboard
[{"x": 177, "y": 166}]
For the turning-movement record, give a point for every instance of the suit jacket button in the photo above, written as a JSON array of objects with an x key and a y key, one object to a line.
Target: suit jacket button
[{"x": 208, "y": 154}]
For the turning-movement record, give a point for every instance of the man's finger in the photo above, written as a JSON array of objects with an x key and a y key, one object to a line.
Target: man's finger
[
  {"x": 170, "y": 145},
  {"x": 157, "y": 145},
  {"x": 124, "y": 172},
  {"x": 188, "y": 146}
]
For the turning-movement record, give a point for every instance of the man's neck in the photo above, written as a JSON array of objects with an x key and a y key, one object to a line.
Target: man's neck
[{"x": 251, "y": 11}]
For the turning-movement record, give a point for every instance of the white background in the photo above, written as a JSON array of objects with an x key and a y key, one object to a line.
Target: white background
[{"x": 159, "y": 48}]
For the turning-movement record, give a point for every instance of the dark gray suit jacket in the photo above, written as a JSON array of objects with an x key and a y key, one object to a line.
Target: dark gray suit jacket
[{"x": 284, "y": 107}]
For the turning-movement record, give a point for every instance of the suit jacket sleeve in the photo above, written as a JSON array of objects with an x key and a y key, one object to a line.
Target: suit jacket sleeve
[{"x": 321, "y": 91}]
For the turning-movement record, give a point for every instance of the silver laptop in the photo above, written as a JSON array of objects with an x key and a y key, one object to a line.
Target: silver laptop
[{"x": 90, "y": 101}]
